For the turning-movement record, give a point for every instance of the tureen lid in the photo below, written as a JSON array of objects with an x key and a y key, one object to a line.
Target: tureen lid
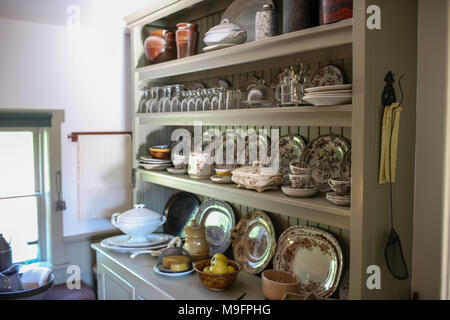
[
  {"x": 139, "y": 213},
  {"x": 257, "y": 170},
  {"x": 224, "y": 26}
]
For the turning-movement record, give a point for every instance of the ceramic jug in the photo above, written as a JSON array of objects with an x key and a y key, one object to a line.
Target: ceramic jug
[
  {"x": 186, "y": 35},
  {"x": 160, "y": 46},
  {"x": 195, "y": 242},
  {"x": 5, "y": 254}
]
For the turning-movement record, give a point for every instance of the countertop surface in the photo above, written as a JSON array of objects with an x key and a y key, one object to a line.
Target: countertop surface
[{"x": 188, "y": 287}]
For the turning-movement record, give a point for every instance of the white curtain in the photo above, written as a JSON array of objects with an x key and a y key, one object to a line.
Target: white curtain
[{"x": 104, "y": 175}]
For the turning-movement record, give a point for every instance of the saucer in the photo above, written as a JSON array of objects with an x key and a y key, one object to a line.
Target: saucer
[
  {"x": 172, "y": 170},
  {"x": 172, "y": 274},
  {"x": 299, "y": 193},
  {"x": 344, "y": 201},
  {"x": 221, "y": 179}
]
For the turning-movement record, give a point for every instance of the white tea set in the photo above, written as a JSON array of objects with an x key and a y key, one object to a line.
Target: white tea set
[{"x": 139, "y": 225}]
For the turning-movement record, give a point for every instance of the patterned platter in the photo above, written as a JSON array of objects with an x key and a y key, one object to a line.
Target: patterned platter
[
  {"x": 314, "y": 256},
  {"x": 327, "y": 76},
  {"x": 346, "y": 165},
  {"x": 254, "y": 241},
  {"x": 324, "y": 155},
  {"x": 291, "y": 148},
  {"x": 180, "y": 210},
  {"x": 218, "y": 218}
]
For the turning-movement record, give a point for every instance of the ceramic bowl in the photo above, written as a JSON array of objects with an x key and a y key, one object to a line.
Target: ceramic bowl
[
  {"x": 299, "y": 193},
  {"x": 297, "y": 169},
  {"x": 300, "y": 181},
  {"x": 342, "y": 186},
  {"x": 276, "y": 283},
  {"x": 160, "y": 152},
  {"x": 216, "y": 282}
]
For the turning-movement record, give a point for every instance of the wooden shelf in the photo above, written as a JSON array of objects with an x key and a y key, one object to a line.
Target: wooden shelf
[
  {"x": 333, "y": 116},
  {"x": 322, "y": 37},
  {"x": 316, "y": 209}
]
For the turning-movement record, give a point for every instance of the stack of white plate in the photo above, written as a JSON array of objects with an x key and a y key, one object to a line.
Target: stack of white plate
[
  {"x": 329, "y": 95},
  {"x": 123, "y": 243},
  {"x": 152, "y": 164}
]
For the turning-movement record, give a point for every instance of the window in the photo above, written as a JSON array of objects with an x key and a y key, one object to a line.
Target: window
[{"x": 22, "y": 165}]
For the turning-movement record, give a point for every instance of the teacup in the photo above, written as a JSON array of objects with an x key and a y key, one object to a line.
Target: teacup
[
  {"x": 297, "y": 169},
  {"x": 180, "y": 161},
  {"x": 300, "y": 181},
  {"x": 342, "y": 186}
]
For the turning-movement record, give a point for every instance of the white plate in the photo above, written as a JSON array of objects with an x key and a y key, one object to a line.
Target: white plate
[
  {"x": 104, "y": 243},
  {"x": 154, "y": 161},
  {"x": 327, "y": 100},
  {"x": 124, "y": 240},
  {"x": 339, "y": 201},
  {"x": 172, "y": 274},
  {"x": 330, "y": 93},
  {"x": 221, "y": 179},
  {"x": 330, "y": 88},
  {"x": 217, "y": 47},
  {"x": 155, "y": 167},
  {"x": 177, "y": 171},
  {"x": 298, "y": 193}
]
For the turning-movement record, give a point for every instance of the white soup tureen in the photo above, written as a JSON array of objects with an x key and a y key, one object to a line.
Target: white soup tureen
[
  {"x": 138, "y": 222},
  {"x": 225, "y": 33}
]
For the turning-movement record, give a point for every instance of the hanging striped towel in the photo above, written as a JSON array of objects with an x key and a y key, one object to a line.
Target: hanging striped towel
[
  {"x": 389, "y": 143},
  {"x": 104, "y": 175}
]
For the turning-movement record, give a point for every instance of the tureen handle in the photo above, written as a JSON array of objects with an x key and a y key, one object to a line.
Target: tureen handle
[
  {"x": 225, "y": 21},
  {"x": 257, "y": 164},
  {"x": 114, "y": 219},
  {"x": 139, "y": 206},
  {"x": 163, "y": 219}
]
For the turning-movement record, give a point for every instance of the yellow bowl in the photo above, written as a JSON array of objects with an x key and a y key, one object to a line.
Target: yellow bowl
[{"x": 163, "y": 154}]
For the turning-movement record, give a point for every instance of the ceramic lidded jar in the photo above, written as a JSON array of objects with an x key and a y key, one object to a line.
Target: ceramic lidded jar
[
  {"x": 160, "y": 46},
  {"x": 186, "y": 36},
  {"x": 195, "y": 242},
  {"x": 225, "y": 33},
  {"x": 138, "y": 222}
]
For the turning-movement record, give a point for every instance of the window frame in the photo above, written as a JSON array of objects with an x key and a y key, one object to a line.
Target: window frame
[
  {"x": 52, "y": 251},
  {"x": 40, "y": 168}
]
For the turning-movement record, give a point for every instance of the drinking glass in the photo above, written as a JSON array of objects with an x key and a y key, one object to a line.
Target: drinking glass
[
  {"x": 198, "y": 101},
  {"x": 208, "y": 96}
]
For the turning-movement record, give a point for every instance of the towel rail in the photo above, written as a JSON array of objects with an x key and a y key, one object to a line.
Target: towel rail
[{"x": 74, "y": 135}]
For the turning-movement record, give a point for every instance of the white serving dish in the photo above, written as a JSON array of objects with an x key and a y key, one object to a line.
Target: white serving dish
[
  {"x": 215, "y": 47},
  {"x": 225, "y": 33},
  {"x": 328, "y": 100},
  {"x": 330, "y": 88},
  {"x": 138, "y": 223},
  {"x": 257, "y": 177}
]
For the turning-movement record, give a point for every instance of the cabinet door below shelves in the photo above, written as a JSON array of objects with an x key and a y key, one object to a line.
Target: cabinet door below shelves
[{"x": 112, "y": 286}]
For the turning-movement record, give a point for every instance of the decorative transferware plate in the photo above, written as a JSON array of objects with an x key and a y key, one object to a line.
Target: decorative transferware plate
[
  {"x": 254, "y": 241},
  {"x": 346, "y": 165},
  {"x": 180, "y": 210},
  {"x": 324, "y": 156},
  {"x": 314, "y": 256},
  {"x": 299, "y": 193},
  {"x": 291, "y": 148},
  {"x": 327, "y": 76},
  {"x": 218, "y": 218}
]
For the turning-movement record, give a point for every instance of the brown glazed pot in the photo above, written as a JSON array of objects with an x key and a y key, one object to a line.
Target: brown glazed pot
[
  {"x": 187, "y": 38},
  {"x": 300, "y": 14},
  {"x": 335, "y": 10},
  {"x": 217, "y": 282},
  {"x": 160, "y": 46}
]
